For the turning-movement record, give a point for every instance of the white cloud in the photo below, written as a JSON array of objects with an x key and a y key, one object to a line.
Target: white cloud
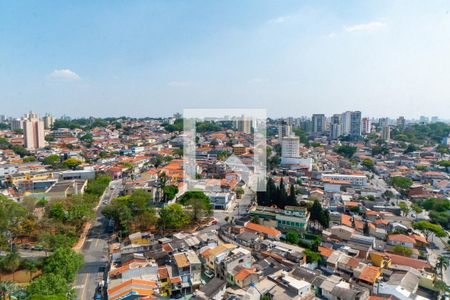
[
  {"x": 64, "y": 74},
  {"x": 179, "y": 83},
  {"x": 279, "y": 20},
  {"x": 257, "y": 80},
  {"x": 368, "y": 27},
  {"x": 332, "y": 35}
]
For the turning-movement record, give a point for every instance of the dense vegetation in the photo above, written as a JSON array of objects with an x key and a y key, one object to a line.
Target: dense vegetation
[
  {"x": 438, "y": 210},
  {"x": 80, "y": 123},
  {"x": 136, "y": 212},
  {"x": 422, "y": 133},
  {"x": 59, "y": 272},
  {"x": 346, "y": 150},
  {"x": 277, "y": 195},
  {"x": 19, "y": 150},
  {"x": 57, "y": 230}
]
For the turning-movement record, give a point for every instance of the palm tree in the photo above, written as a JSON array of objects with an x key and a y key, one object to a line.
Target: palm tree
[
  {"x": 7, "y": 288},
  {"x": 442, "y": 264}
]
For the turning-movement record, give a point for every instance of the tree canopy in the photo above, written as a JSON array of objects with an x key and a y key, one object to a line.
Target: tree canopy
[
  {"x": 71, "y": 163},
  {"x": 427, "y": 228},
  {"x": 346, "y": 150},
  {"x": 401, "y": 182},
  {"x": 173, "y": 216},
  {"x": 198, "y": 202}
]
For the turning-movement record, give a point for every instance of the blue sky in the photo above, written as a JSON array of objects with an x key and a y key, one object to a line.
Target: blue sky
[{"x": 154, "y": 58}]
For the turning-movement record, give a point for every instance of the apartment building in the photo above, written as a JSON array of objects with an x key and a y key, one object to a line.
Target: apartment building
[{"x": 358, "y": 180}]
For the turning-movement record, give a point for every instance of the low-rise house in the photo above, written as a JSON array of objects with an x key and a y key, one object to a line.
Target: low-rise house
[
  {"x": 265, "y": 231},
  {"x": 401, "y": 240},
  {"x": 245, "y": 277},
  {"x": 402, "y": 286},
  {"x": 195, "y": 269},
  {"x": 184, "y": 271},
  {"x": 213, "y": 290},
  {"x": 132, "y": 289},
  {"x": 289, "y": 218}
]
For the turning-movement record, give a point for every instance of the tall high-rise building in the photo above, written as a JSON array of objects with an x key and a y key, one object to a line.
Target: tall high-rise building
[
  {"x": 16, "y": 124},
  {"x": 284, "y": 129},
  {"x": 335, "y": 126},
  {"x": 365, "y": 125},
  {"x": 346, "y": 120},
  {"x": 351, "y": 123},
  {"x": 290, "y": 147},
  {"x": 423, "y": 120},
  {"x": 318, "y": 124},
  {"x": 2, "y": 118},
  {"x": 434, "y": 119},
  {"x": 355, "y": 123},
  {"x": 386, "y": 133},
  {"x": 244, "y": 124},
  {"x": 48, "y": 121},
  {"x": 382, "y": 122},
  {"x": 33, "y": 132},
  {"x": 401, "y": 122}
]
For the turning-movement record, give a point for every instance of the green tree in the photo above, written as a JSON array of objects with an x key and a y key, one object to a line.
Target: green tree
[
  {"x": 87, "y": 138},
  {"x": 411, "y": 148},
  {"x": 377, "y": 149},
  {"x": 12, "y": 216},
  {"x": 49, "y": 284},
  {"x": 29, "y": 159},
  {"x": 427, "y": 228},
  {"x": 417, "y": 209},
  {"x": 444, "y": 163},
  {"x": 64, "y": 262},
  {"x": 198, "y": 202},
  {"x": 318, "y": 215},
  {"x": 59, "y": 240},
  {"x": 50, "y": 138},
  {"x": 19, "y": 150},
  {"x": 7, "y": 288},
  {"x": 292, "y": 198},
  {"x": 170, "y": 191},
  {"x": 436, "y": 204},
  {"x": 442, "y": 265},
  {"x": 57, "y": 211},
  {"x": 11, "y": 262},
  {"x": 52, "y": 160},
  {"x": 71, "y": 163},
  {"x": 402, "y": 250},
  {"x": 312, "y": 256},
  {"x": 292, "y": 237},
  {"x": 173, "y": 216},
  {"x": 404, "y": 207},
  {"x": 240, "y": 191},
  {"x": 346, "y": 150},
  {"x": 368, "y": 163},
  {"x": 401, "y": 182}
]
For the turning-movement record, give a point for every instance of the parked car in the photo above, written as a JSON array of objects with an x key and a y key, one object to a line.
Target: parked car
[
  {"x": 209, "y": 274},
  {"x": 37, "y": 248}
]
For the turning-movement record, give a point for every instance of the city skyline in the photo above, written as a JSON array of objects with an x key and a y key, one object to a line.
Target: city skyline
[{"x": 381, "y": 58}]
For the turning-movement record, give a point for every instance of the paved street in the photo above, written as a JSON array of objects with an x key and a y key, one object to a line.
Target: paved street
[
  {"x": 441, "y": 248},
  {"x": 95, "y": 250},
  {"x": 29, "y": 253},
  {"x": 239, "y": 207}
]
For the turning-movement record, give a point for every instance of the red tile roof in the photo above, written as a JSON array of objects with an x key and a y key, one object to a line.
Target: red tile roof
[
  {"x": 262, "y": 229},
  {"x": 401, "y": 238}
]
